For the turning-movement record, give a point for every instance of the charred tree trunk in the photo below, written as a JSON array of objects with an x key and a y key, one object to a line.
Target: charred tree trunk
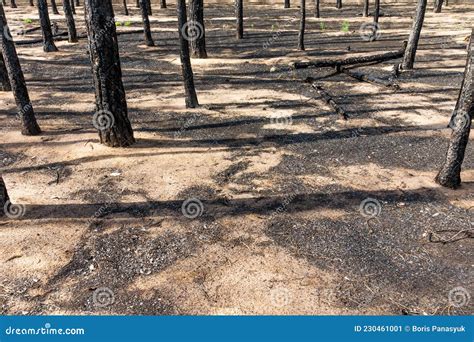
[
  {"x": 450, "y": 173},
  {"x": 149, "y": 10},
  {"x": 377, "y": 11},
  {"x": 190, "y": 91},
  {"x": 111, "y": 117},
  {"x": 48, "y": 41},
  {"x": 287, "y": 3},
  {"x": 146, "y": 23},
  {"x": 4, "y": 80},
  {"x": 13, "y": 4},
  {"x": 137, "y": 4},
  {"x": 302, "y": 25},
  {"x": 162, "y": 3},
  {"x": 32, "y": 2},
  {"x": 338, "y": 4},
  {"x": 17, "y": 81},
  {"x": 78, "y": 3},
  {"x": 4, "y": 199},
  {"x": 54, "y": 7},
  {"x": 438, "y": 6},
  {"x": 239, "y": 14},
  {"x": 317, "y": 12},
  {"x": 410, "y": 52},
  {"x": 365, "y": 11},
  {"x": 125, "y": 8},
  {"x": 73, "y": 7},
  {"x": 198, "y": 39},
  {"x": 71, "y": 25}
]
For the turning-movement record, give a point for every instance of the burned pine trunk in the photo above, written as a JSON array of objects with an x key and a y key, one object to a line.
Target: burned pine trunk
[
  {"x": 287, "y": 4},
  {"x": 17, "y": 81},
  {"x": 317, "y": 12},
  {"x": 13, "y": 4},
  {"x": 71, "y": 25},
  {"x": 4, "y": 80},
  {"x": 338, "y": 4},
  {"x": 162, "y": 3},
  {"x": 377, "y": 11},
  {"x": 54, "y": 7},
  {"x": 239, "y": 15},
  {"x": 73, "y": 7},
  {"x": 365, "y": 11},
  {"x": 48, "y": 41},
  {"x": 4, "y": 199},
  {"x": 450, "y": 173},
  {"x": 438, "y": 6},
  {"x": 188, "y": 77},
  {"x": 146, "y": 23},
  {"x": 302, "y": 25},
  {"x": 32, "y": 3},
  {"x": 125, "y": 8},
  {"x": 410, "y": 52},
  {"x": 149, "y": 10},
  {"x": 111, "y": 117},
  {"x": 198, "y": 38}
]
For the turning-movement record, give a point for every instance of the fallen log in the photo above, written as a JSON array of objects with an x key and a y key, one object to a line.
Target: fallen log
[
  {"x": 370, "y": 78},
  {"x": 379, "y": 58},
  {"x": 327, "y": 98}
]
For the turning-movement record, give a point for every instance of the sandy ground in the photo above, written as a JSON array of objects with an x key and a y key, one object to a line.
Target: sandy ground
[{"x": 276, "y": 176}]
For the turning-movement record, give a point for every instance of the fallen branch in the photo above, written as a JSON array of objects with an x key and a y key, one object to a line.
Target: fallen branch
[
  {"x": 327, "y": 98},
  {"x": 379, "y": 58},
  {"x": 370, "y": 78}
]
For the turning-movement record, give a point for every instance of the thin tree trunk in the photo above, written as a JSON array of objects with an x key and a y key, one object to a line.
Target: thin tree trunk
[
  {"x": 365, "y": 12},
  {"x": 71, "y": 25},
  {"x": 73, "y": 7},
  {"x": 198, "y": 39},
  {"x": 17, "y": 81},
  {"x": 146, "y": 23},
  {"x": 4, "y": 80},
  {"x": 138, "y": 3},
  {"x": 438, "y": 6},
  {"x": 450, "y": 173},
  {"x": 111, "y": 117},
  {"x": 377, "y": 11},
  {"x": 13, "y": 4},
  {"x": 48, "y": 42},
  {"x": 32, "y": 2},
  {"x": 287, "y": 3},
  {"x": 302, "y": 25},
  {"x": 125, "y": 8},
  {"x": 339, "y": 4},
  {"x": 54, "y": 7},
  {"x": 410, "y": 52},
  {"x": 4, "y": 199},
  {"x": 239, "y": 14},
  {"x": 78, "y": 3},
  {"x": 190, "y": 91},
  {"x": 148, "y": 3},
  {"x": 317, "y": 12},
  {"x": 162, "y": 3}
]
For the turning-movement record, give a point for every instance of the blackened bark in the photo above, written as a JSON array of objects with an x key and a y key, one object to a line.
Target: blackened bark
[
  {"x": 450, "y": 173},
  {"x": 146, "y": 23},
  {"x": 317, "y": 12},
  {"x": 71, "y": 25},
  {"x": 338, "y": 4},
  {"x": 54, "y": 7},
  {"x": 13, "y": 4},
  {"x": 32, "y": 2},
  {"x": 377, "y": 11},
  {"x": 438, "y": 6},
  {"x": 4, "y": 80},
  {"x": 302, "y": 25},
  {"x": 148, "y": 3},
  {"x": 125, "y": 8},
  {"x": 111, "y": 117},
  {"x": 190, "y": 91},
  {"x": 287, "y": 3},
  {"x": 239, "y": 15},
  {"x": 78, "y": 3},
  {"x": 138, "y": 3},
  {"x": 198, "y": 39},
  {"x": 4, "y": 199},
  {"x": 410, "y": 52},
  {"x": 17, "y": 81},
  {"x": 365, "y": 11},
  {"x": 162, "y": 3},
  {"x": 48, "y": 42},
  {"x": 73, "y": 7}
]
